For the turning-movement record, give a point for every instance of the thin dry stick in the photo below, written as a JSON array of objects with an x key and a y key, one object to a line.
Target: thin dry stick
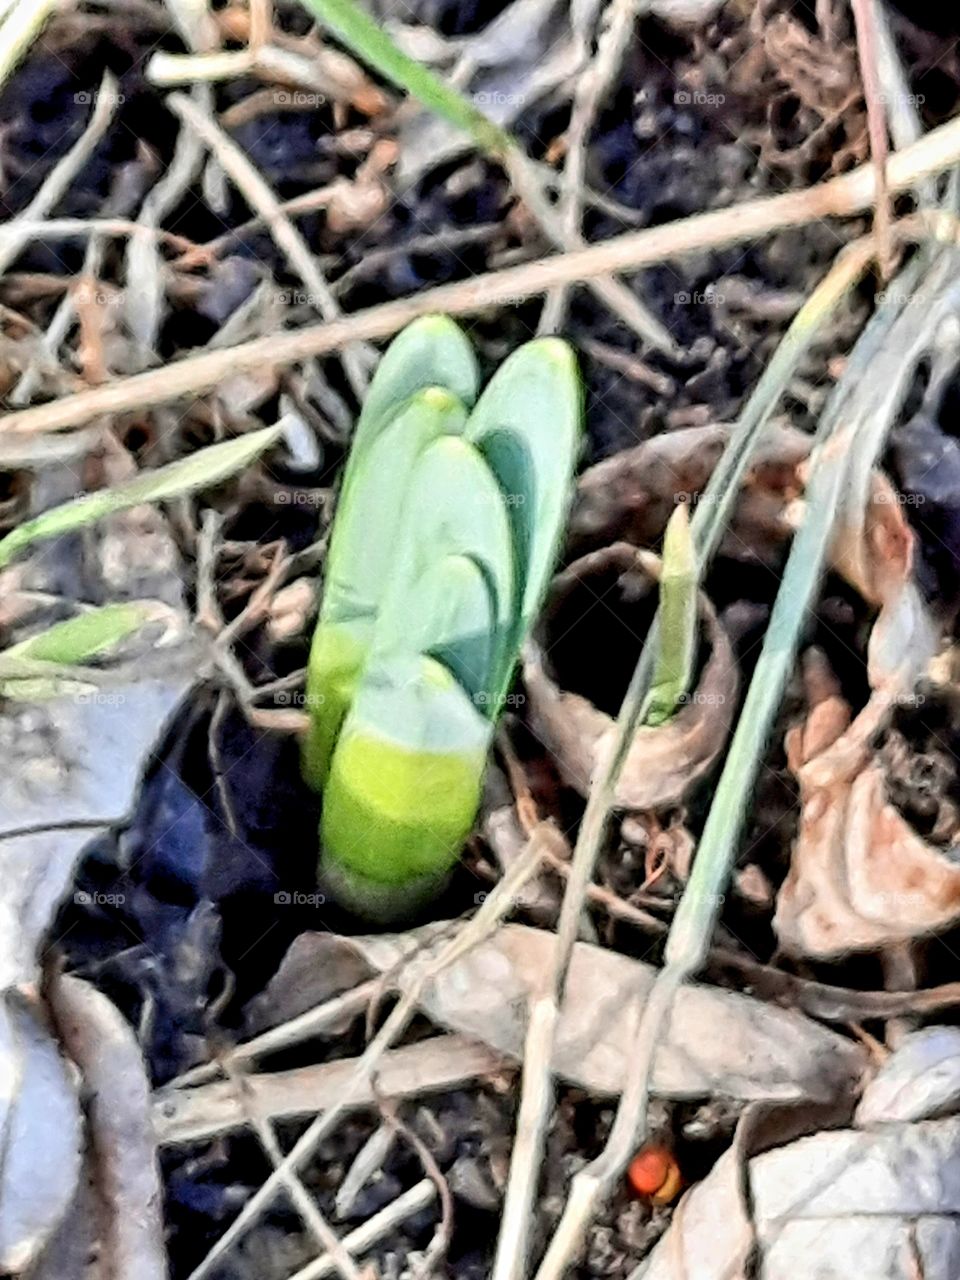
[
  {"x": 375, "y": 1229},
  {"x": 57, "y": 182},
  {"x": 867, "y": 46},
  {"x": 261, "y": 22},
  {"x": 591, "y": 88},
  {"x": 316, "y": 1223},
  {"x": 260, "y": 198},
  {"x": 841, "y": 197},
  {"x": 621, "y": 301},
  {"x": 303, "y": 1027},
  {"x": 711, "y": 515},
  {"x": 84, "y": 228},
  {"x": 21, "y": 27},
  {"x": 499, "y": 903}
]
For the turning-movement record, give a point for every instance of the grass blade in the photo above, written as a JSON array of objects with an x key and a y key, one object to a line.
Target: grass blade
[
  {"x": 365, "y": 38},
  {"x": 79, "y": 639},
  {"x": 206, "y": 467}
]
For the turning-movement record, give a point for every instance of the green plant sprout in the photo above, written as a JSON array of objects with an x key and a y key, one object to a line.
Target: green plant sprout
[{"x": 447, "y": 528}]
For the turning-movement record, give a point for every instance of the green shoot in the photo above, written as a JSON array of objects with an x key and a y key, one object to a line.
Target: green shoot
[
  {"x": 443, "y": 543},
  {"x": 677, "y": 633}
]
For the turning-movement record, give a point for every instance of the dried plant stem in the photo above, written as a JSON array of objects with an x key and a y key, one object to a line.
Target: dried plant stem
[
  {"x": 499, "y": 903},
  {"x": 842, "y": 449},
  {"x": 592, "y": 86},
  {"x": 303, "y": 1027},
  {"x": 841, "y": 197},
  {"x": 864, "y": 13},
  {"x": 314, "y": 1220},
  {"x": 261, "y": 199},
  {"x": 22, "y": 24},
  {"x": 374, "y": 1229}
]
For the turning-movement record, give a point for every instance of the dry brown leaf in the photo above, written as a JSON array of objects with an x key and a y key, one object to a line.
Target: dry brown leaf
[
  {"x": 40, "y": 1122},
  {"x": 122, "y": 1150},
  {"x": 182, "y": 1116},
  {"x": 881, "y": 1204},
  {"x": 860, "y": 876},
  {"x": 632, "y": 494},
  {"x": 719, "y": 1042},
  {"x": 664, "y": 763}
]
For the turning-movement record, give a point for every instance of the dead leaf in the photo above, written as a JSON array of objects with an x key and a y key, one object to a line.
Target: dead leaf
[
  {"x": 182, "y": 1116},
  {"x": 919, "y": 1082},
  {"x": 122, "y": 1155},
  {"x": 881, "y": 1204},
  {"x": 860, "y": 876},
  {"x": 719, "y": 1042},
  {"x": 632, "y": 494},
  {"x": 664, "y": 763},
  {"x": 40, "y": 1119},
  {"x": 73, "y": 768}
]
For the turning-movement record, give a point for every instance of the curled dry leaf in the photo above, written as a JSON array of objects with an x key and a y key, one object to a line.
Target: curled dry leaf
[
  {"x": 122, "y": 1146},
  {"x": 632, "y": 494},
  {"x": 665, "y": 762},
  {"x": 40, "y": 1118},
  {"x": 719, "y": 1042},
  {"x": 58, "y": 793},
  {"x": 880, "y": 1203},
  {"x": 919, "y": 1082},
  {"x": 860, "y": 876}
]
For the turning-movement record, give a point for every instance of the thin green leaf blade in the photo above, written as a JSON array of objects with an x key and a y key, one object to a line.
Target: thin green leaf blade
[
  {"x": 358, "y": 31},
  {"x": 366, "y": 530},
  {"x": 677, "y": 634},
  {"x": 200, "y": 470},
  {"x": 87, "y": 636}
]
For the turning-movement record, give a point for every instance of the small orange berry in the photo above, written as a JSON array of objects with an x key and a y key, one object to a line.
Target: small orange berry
[{"x": 655, "y": 1174}]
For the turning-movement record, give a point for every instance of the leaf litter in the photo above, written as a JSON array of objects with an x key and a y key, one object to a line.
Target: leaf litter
[{"x": 184, "y": 808}]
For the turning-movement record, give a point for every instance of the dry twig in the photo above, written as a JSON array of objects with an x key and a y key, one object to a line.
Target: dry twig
[{"x": 840, "y": 197}]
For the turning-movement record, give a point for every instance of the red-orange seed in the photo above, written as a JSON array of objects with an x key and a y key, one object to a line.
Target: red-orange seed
[{"x": 655, "y": 1175}]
